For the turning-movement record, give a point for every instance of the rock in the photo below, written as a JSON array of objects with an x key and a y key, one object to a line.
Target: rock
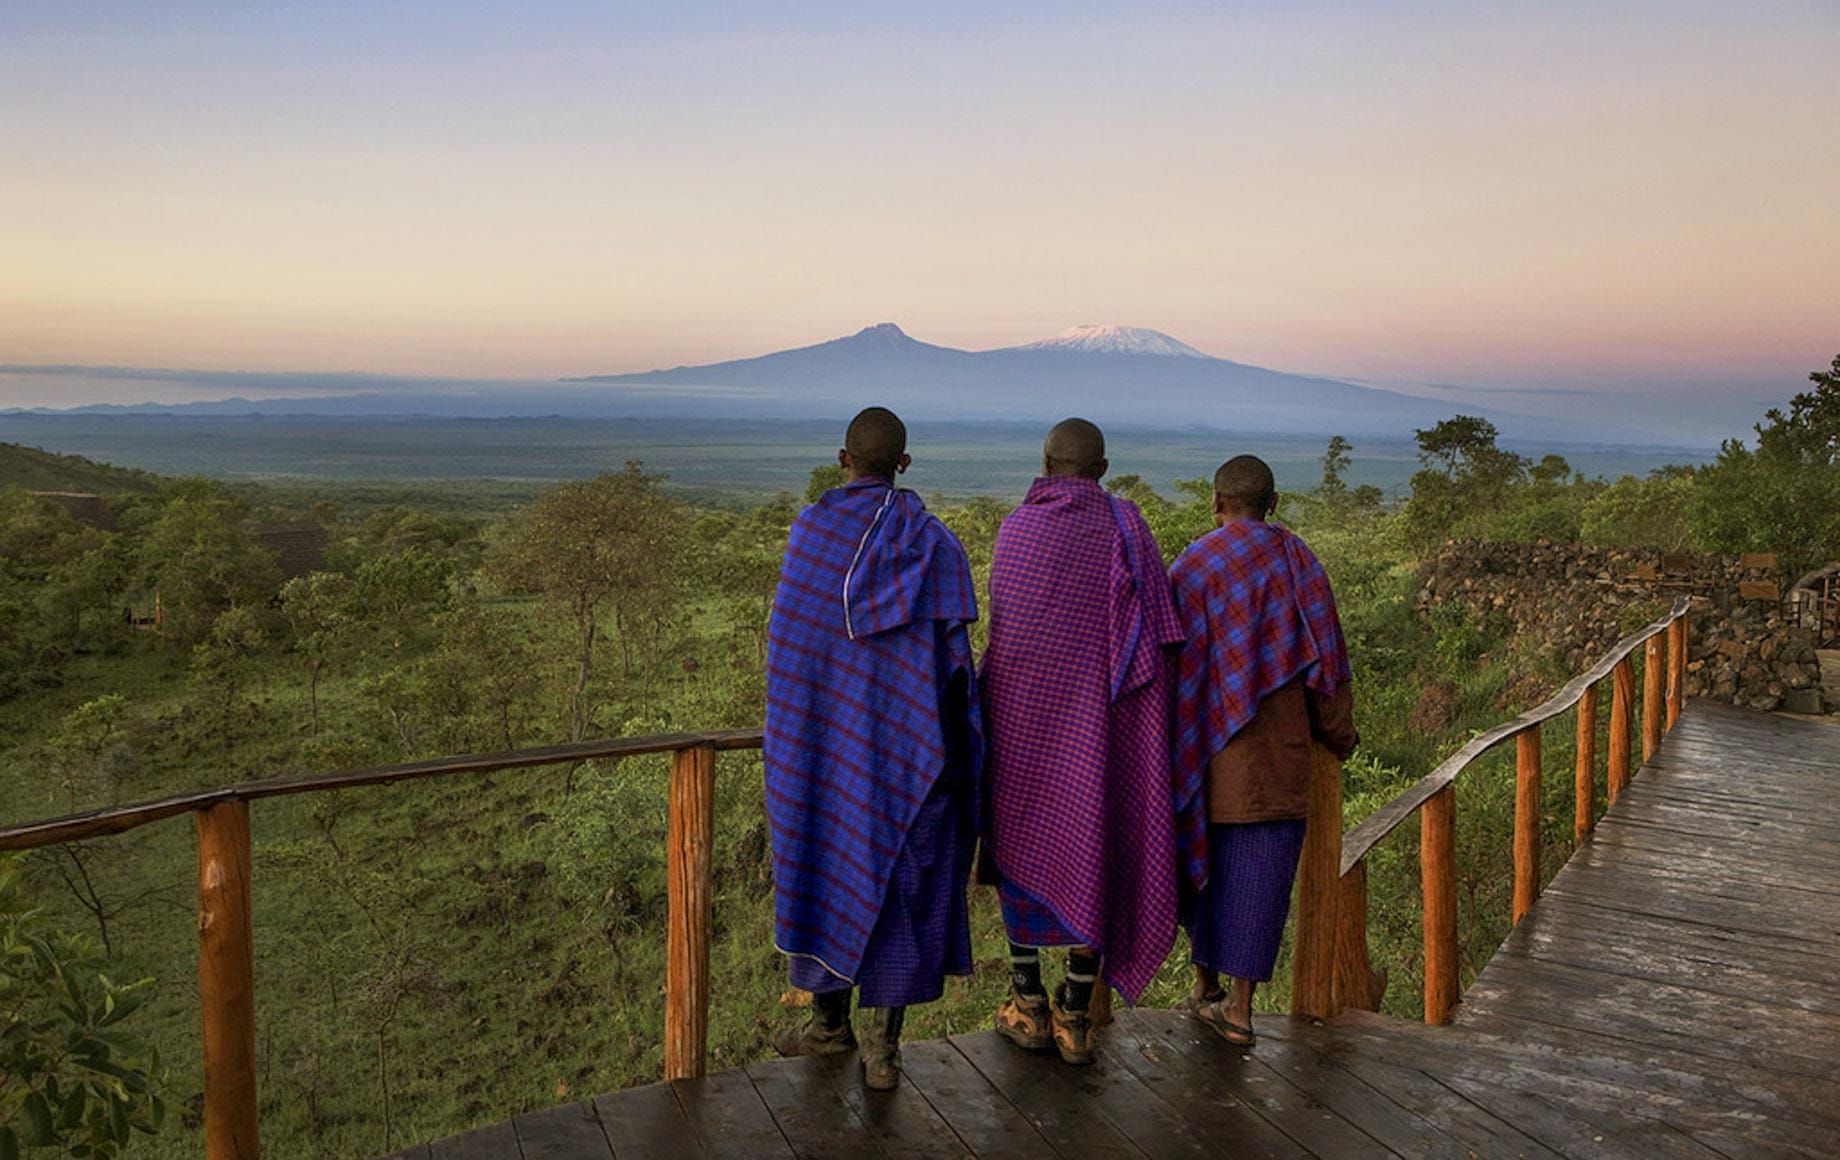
[{"x": 1803, "y": 700}]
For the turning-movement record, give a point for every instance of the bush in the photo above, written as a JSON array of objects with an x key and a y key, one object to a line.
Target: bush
[{"x": 70, "y": 1076}]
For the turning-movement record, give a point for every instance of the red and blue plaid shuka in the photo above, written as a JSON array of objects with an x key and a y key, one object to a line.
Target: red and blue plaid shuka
[
  {"x": 1256, "y": 605},
  {"x": 1077, "y": 680},
  {"x": 871, "y": 716}
]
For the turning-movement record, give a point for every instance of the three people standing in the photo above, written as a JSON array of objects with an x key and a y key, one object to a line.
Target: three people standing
[{"x": 1130, "y": 758}]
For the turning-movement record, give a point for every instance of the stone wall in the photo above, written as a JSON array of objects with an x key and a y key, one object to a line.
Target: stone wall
[{"x": 1576, "y": 601}]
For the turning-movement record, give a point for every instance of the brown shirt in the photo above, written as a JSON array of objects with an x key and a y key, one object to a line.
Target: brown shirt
[{"x": 1263, "y": 775}]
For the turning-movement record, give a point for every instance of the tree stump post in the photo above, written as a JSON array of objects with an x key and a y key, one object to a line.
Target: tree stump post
[
  {"x": 1622, "y": 708},
  {"x": 1319, "y": 890},
  {"x": 226, "y": 982},
  {"x": 1437, "y": 858},
  {"x": 1526, "y": 821},
  {"x": 1653, "y": 664},
  {"x": 1676, "y": 669},
  {"x": 1585, "y": 776},
  {"x": 691, "y": 847}
]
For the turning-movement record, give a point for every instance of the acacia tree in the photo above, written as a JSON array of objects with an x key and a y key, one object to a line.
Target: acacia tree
[
  {"x": 1783, "y": 497},
  {"x": 608, "y": 544},
  {"x": 202, "y": 561},
  {"x": 318, "y": 608},
  {"x": 1335, "y": 461}
]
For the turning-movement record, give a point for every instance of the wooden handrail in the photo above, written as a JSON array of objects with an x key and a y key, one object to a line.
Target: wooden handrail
[
  {"x": 115, "y": 819},
  {"x": 1363, "y": 837},
  {"x": 226, "y": 938},
  {"x": 1433, "y": 798}
]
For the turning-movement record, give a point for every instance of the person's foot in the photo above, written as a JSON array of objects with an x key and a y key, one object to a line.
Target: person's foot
[
  {"x": 1026, "y": 1021},
  {"x": 1073, "y": 1035},
  {"x": 881, "y": 1048},
  {"x": 1230, "y": 1028},
  {"x": 814, "y": 1038},
  {"x": 1207, "y": 989}
]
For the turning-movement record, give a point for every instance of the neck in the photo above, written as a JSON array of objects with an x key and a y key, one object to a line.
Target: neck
[{"x": 858, "y": 476}]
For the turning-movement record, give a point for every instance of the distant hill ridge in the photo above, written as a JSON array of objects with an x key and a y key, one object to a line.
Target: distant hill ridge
[{"x": 37, "y": 470}]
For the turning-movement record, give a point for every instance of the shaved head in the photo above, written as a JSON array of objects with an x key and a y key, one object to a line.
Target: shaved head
[
  {"x": 1244, "y": 485},
  {"x": 876, "y": 443},
  {"x": 1074, "y": 447}
]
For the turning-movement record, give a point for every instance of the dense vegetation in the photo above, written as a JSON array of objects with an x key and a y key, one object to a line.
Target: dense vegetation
[{"x": 439, "y": 954}]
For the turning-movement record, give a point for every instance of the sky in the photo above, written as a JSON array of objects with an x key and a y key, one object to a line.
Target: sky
[{"x": 1635, "y": 198}]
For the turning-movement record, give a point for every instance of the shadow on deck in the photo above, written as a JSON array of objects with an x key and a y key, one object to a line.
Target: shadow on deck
[{"x": 1674, "y": 992}]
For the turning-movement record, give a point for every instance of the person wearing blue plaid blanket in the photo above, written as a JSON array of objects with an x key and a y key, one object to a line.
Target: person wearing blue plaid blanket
[{"x": 873, "y": 746}]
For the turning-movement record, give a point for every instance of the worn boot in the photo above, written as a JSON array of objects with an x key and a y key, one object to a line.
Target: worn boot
[
  {"x": 1024, "y": 1020},
  {"x": 881, "y": 1047},
  {"x": 1073, "y": 1030},
  {"x": 826, "y": 1033}
]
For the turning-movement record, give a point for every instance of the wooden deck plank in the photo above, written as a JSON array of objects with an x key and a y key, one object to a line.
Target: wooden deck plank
[
  {"x": 493, "y": 1142},
  {"x": 1602, "y": 1076},
  {"x": 903, "y": 1122},
  {"x": 1247, "y": 1078},
  {"x": 980, "y": 1115},
  {"x": 569, "y": 1132},
  {"x": 728, "y": 1117},
  {"x": 647, "y": 1123},
  {"x": 1045, "y": 1092},
  {"x": 807, "y": 1102}
]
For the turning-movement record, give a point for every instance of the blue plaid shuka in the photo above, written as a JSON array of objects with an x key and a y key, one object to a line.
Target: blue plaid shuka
[{"x": 870, "y": 709}]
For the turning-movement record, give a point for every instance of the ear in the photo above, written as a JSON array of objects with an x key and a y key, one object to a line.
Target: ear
[
  {"x": 843, "y": 458},
  {"x": 1104, "y": 465},
  {"x": 1220, "y": 504},
  {"x": 903, "y": 464}
]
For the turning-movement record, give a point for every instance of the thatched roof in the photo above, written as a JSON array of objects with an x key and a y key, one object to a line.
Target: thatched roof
[
  {"x": 298, "y": 548},
  {"x": 84, "y": 507}
]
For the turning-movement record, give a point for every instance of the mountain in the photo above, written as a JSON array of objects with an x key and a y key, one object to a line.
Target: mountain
[
  {"x": 1107, "y": 373},
  {"x": 1115, "y": 340},
  {"x": 1113, "y": 374}
]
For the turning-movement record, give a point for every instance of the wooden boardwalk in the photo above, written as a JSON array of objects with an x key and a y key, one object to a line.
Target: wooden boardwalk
[{"x": 1675, "y": 992}]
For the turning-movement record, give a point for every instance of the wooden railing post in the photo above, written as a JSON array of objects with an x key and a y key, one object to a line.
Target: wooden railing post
[
  {"x": 1676, "y": 669},
  {"x": 1437, "y": 860},
  {"x": 1652, "y": 665},
  {"x": 1356, "y": 984},
  {"x": 226, "y": 982},
  {"x": 1586, "y": 774},
  {"x": 1526, "y": 821},
  {"x": 1319, "y": 889},
  {"x": 690, "y": 849},
  {"x": 1622, "y": 706}
]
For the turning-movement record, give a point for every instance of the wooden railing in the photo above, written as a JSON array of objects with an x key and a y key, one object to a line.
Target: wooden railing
[
  {"x": 1332, "y": 970},
  {"x": 226, "y": 937},
  {"x": 1330, "y": 959}
]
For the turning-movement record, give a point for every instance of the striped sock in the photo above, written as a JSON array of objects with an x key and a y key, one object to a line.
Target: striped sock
[
  {"x": 1082, "y": 974},
  {"x": 1025, "y": 972}
]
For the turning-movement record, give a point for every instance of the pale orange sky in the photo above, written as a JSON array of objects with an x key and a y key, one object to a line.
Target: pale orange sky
[{"x": 1486, "y": 194}]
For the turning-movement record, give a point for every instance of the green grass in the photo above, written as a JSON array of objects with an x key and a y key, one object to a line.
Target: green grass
[{"x": 436, "y": 955}]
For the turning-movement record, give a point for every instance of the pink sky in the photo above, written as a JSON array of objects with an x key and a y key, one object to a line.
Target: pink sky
[{"x": 1551, "y": 196}]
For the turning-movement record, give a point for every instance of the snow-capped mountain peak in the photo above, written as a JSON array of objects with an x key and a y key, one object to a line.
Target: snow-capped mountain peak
[{"x": 1116, "y": 340}]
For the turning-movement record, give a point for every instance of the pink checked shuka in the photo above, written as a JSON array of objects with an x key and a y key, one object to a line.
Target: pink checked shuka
[{"x": 1077, "y": 683}]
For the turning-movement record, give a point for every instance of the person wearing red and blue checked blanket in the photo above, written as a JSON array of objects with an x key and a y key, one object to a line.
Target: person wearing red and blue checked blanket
[
  {"x": 1264, "y": 677},
  {"x": 873, "y": 748},
  {"x": 1080, "y": 828}
]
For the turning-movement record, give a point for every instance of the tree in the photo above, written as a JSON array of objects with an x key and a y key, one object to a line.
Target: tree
[
  {"x": 220, "y": 664},
  {"x": 824, "y": 477},
  {"x": 1642, "y": 513},
  {"x": 1335, "y": 461},
  {"x": 318, "y": 608},
  {"x": 611, "y": 543},
  {"x": 203, "y": 562},
  {"x": 1783, "y": 497},
  {"x": 398, "y": 594}
]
